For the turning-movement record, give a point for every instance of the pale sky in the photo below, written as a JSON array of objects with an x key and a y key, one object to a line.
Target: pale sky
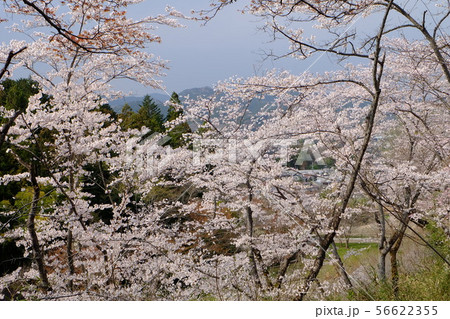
[{"x": 201, "y": 55}]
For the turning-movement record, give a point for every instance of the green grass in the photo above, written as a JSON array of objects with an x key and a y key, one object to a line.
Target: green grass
[
  {"x": 432, "y": 282},
  {"x": 341, "y": 246},
  {"x": 364, "y": 257},
  {"x": 423, "y": 275}
]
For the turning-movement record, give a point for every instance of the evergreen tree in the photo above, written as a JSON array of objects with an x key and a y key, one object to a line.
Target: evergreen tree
[
  {"x": 107, "y": 109},
  {"x": 176, "y": 133},
  {"x": 149, "y": 115},
  {"x": 174, "y": 112},
  {"x": 126, "y": 115},
  {"x": 15, "y": 93}
]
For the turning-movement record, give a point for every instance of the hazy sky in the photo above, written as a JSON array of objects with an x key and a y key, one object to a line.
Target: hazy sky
[{"x": 200, "y": 55}]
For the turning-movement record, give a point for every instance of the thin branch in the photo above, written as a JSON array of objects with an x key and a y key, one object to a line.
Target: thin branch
[{"x": 9, "y": 59}]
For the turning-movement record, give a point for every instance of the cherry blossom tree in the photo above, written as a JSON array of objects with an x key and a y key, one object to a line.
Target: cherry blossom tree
[
  {"x": 225, "y": 216},
  {"x": 88, "y": 45},
  {"x": 348, "y": 113}
]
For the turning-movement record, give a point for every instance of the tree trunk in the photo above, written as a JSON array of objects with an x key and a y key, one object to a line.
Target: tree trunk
[
  {"x": 284, "y": 265},
  {"x": 324, "y": 244},
  {"x": 263, "y": 267},
  {"x": 250, "y": 251},
  {"x": 382, "y": 266},
  {"x": 393, "y": 254},
  {"x": 37, "y": 253},
  {"x": 382, "y": 249},
  {"x": 70, "y": 258},
  {"x": 394, "y": 271},
  {"x": 340, "y": 267}
]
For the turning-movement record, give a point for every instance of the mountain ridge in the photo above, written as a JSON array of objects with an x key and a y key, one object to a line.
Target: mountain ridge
[{"x": 159, "y": 98}]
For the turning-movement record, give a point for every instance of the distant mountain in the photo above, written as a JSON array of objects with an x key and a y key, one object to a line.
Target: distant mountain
[
  {"x": 254, "y": 107},
  {"x": 195, "y": 93},
  {"x": 135, "y": 101},
  {"x": 265, "y": 103},
  {"x": 160, "y": 99}
]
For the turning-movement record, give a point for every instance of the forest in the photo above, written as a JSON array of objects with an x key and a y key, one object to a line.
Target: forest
[{"x": 279, "y": 186}]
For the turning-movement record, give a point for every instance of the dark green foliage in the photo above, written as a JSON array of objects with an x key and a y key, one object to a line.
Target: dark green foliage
[
  {"x": 8, "y": 165},
  {"x": 149, "y": 115},
  {"x": 11, "y": 257},
  {"x": 15, "y": 93},
  {"x": 15, "y": 196},
  {"x": 126, "y": 116},
  {"x": 96, "y": 182},
  {"x": 106, "y": 108},
  {"x": 176, "y": 133},
  {"x": 174, "y": 112}
]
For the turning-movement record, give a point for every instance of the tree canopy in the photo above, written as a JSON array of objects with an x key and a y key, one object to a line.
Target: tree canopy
[{"x": 135, "y": 206}]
